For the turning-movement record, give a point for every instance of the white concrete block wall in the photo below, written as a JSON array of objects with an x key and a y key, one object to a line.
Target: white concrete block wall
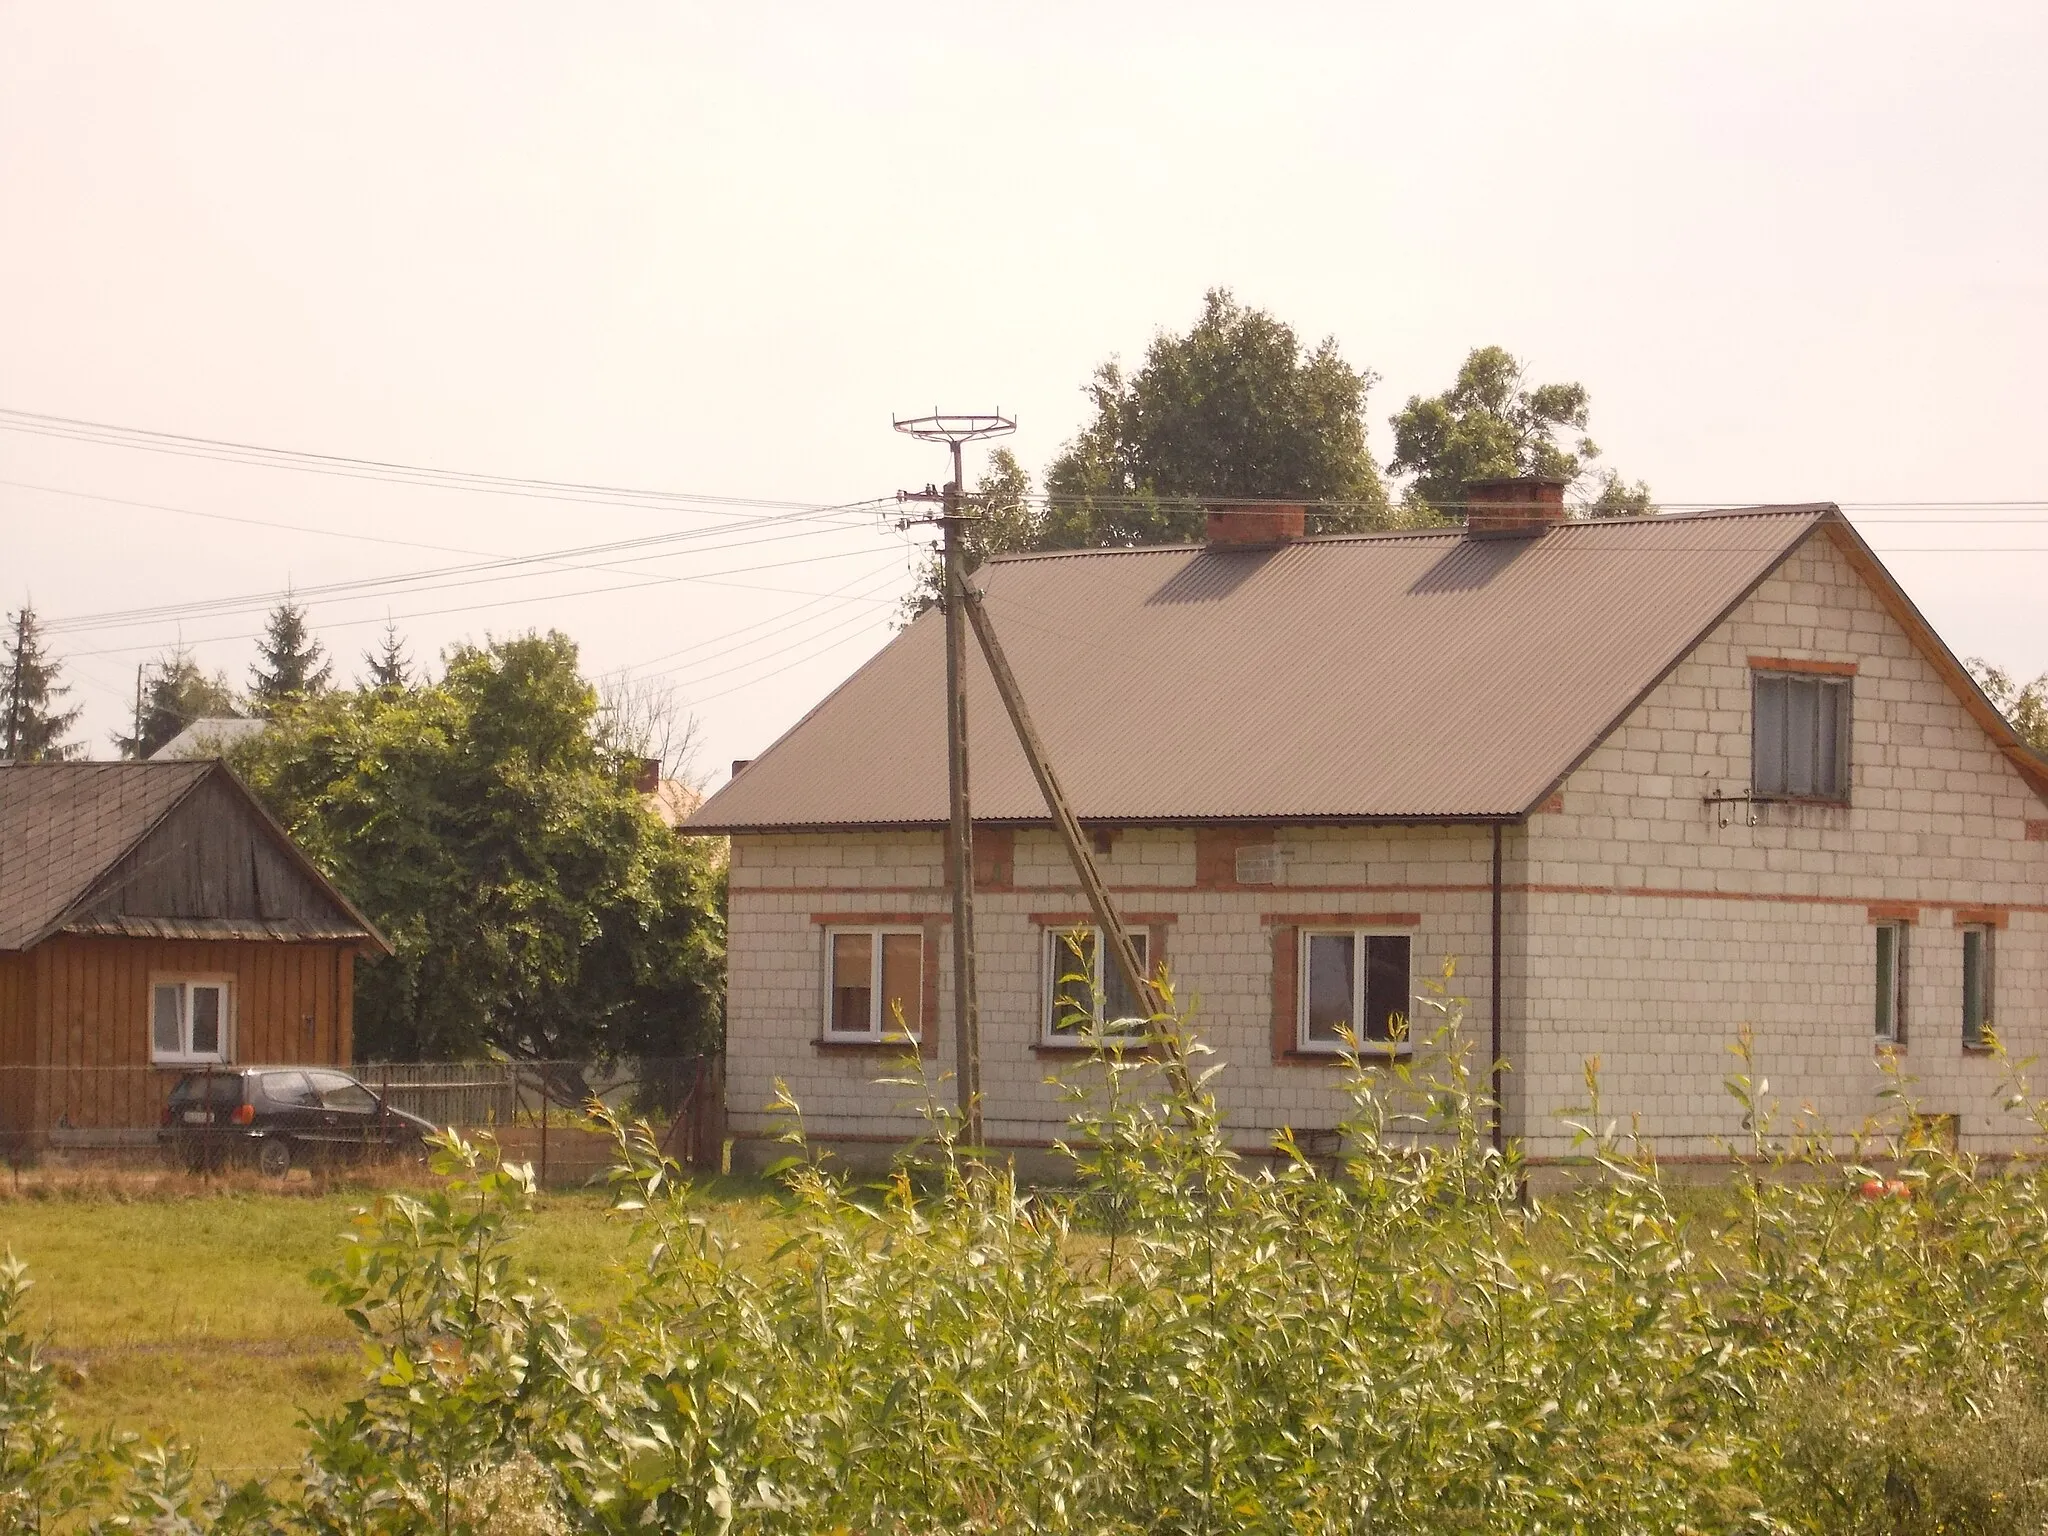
[
  {"x": 1219, "y": 949},
  {"x": 1651, "y": 932}
]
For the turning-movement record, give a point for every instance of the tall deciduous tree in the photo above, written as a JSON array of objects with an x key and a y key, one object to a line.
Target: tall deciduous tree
[
  {"x": 1235, "y": 408},
  {"x": 484, "y": 825},
  {"x": 35, "y": 726},
  {"x": 175, "y": 692},
  {"x": 290, "y": 664},
  {"x": 1494, "y": 422}
]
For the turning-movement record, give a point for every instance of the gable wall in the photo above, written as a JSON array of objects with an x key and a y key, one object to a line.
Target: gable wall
[
  {"x": 212, "y": 858},
  {"x": 1650, "y": 932},
  {"x": 1219, "y": 942}
]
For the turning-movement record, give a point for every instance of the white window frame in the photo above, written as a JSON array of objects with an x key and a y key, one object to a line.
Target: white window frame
[
  {"x": 881, "y": 1024},
  {"x": 1055, "y": 962},
  {"x": 1987, "y": 982},
  {"x": 185, "y": 982},
  {"x": 1361, "y": 975},
  {"x": 1895, "y": 983}
]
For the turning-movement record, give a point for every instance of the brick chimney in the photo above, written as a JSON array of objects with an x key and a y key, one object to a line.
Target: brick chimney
[
  {"x": 1254, "y": 527},
  {"x": 1513, "y": 508}
]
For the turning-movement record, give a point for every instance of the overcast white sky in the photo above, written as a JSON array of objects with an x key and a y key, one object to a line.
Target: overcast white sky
[{"x": 1795, "y": 252}]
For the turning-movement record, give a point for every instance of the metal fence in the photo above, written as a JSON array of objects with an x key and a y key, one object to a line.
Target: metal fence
[{"x": 534, "y": 1108}]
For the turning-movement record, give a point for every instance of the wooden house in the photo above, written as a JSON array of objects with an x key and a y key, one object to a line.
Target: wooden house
[{"x": 155, "y": 919}]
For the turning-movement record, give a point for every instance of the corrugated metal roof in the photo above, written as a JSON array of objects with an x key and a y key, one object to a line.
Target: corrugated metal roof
[{"x": 1402, "y": 676}]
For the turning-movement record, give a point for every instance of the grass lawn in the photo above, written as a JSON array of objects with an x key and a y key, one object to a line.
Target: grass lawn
[{"x": 181, "y": 1310}]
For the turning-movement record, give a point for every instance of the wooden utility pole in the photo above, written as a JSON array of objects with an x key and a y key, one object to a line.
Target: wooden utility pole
[
  {"x": 966, "y": 1006},
  {"x": 956, "y": 431}
]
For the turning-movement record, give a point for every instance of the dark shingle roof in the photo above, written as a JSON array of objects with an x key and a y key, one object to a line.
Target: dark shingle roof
[
  {"x": 1399, "y": 676},
  {"x": 65, "y": 826}
]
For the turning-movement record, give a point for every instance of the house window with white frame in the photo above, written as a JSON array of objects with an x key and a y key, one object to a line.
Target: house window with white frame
[
  {"x": 1086, "y": 994},
  {"x": 1891, "y": 983},
  {"x": 874, "y": 987},
  {"x": 1354, "y": 982},
  {"x": 1977, "y": 982},
  {"x": 189, "y": 1019},
  {"x": 1800, "y": 736}
]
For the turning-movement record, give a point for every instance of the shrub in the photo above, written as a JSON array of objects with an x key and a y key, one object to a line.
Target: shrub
[{"x": 1192, "y": 1341}]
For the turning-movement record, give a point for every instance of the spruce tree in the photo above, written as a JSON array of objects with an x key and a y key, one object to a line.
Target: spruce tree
[
  {"x": 390, "y": 668},
  {"x": 290, "y": 664},
  {"x": 34, "y": 728},
  {"x": 175, "y": 692}
]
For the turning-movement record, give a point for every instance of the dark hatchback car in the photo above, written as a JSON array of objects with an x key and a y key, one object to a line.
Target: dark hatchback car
[{"x": 281, "y": 1117}]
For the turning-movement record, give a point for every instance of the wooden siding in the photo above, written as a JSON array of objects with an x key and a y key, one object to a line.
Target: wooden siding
[
  {"x": 17, "y": 1042},
  {"x": 213, "y": 858},
  {"x": 89, "y": 998}
]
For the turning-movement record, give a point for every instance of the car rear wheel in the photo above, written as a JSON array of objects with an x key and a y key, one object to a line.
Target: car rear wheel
[{"x": 274, "y": 1157}]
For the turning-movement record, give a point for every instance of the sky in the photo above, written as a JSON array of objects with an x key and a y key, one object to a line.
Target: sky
[{"x": 708, "y": 251}]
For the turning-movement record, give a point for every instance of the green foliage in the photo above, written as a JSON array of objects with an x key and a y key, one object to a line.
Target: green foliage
[
  {"x": 2024, "y": 704},
  {"x": 175, "y": 692},
  {"x": 535, "y": 906},
  {"x": 388, "y": 667},
  {"x": 33, "y": 728},
  {"x": 1191, "y": 1341},
  {"x": 1235, "y": 408},
  {"x": 1493, "y": 423},
  {"x": 290, "y": 664}
]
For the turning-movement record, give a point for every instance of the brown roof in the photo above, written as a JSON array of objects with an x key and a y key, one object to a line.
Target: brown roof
[
  {"x": 67, "y": 829},
  {"x": 1398, "y": 676}
]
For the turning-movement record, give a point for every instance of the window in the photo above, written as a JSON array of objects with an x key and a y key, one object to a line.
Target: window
[
  {"x": 1800, "y": 741},
  {"x": 1076, "y": 978},
  {"x": 339, "y": 1091},
  {"x": 1891, "y": 983},
  {"x": 875, "y": 973},
  {"x": 290, "y": 1090},
  {"x": 1976, "y": 983},
  {"x": 188, "y": 1020},
  {"x": 1353, "y": 982}
]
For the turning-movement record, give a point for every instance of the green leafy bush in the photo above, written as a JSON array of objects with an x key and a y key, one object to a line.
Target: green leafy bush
[{"x": 1188, "y": 1340}]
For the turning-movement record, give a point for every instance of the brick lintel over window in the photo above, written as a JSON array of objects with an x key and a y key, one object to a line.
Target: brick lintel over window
[
  {"x": 1893, "y": 912},
  {"x": 1982, "y": 917},
  {"x": 1801, "y": 664},
  {"x": 1345, "y": 919}
]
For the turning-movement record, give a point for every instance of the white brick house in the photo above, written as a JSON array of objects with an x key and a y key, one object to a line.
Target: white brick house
[{"x": 1662, "y": 777}]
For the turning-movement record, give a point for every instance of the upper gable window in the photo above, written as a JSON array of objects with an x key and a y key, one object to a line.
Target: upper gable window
[{"x": 1800, "y": 737}]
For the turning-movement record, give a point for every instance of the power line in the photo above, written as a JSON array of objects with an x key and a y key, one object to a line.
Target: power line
[
  {"x": 443, "y": 577},
  {"x": 183, "y": 445},
  {"x": 511, "y": 602}
]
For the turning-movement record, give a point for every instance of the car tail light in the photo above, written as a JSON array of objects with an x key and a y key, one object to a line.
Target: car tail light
[
  {"x": 244, "y": 1114},
  {"x": 167, "y": 1115}
]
